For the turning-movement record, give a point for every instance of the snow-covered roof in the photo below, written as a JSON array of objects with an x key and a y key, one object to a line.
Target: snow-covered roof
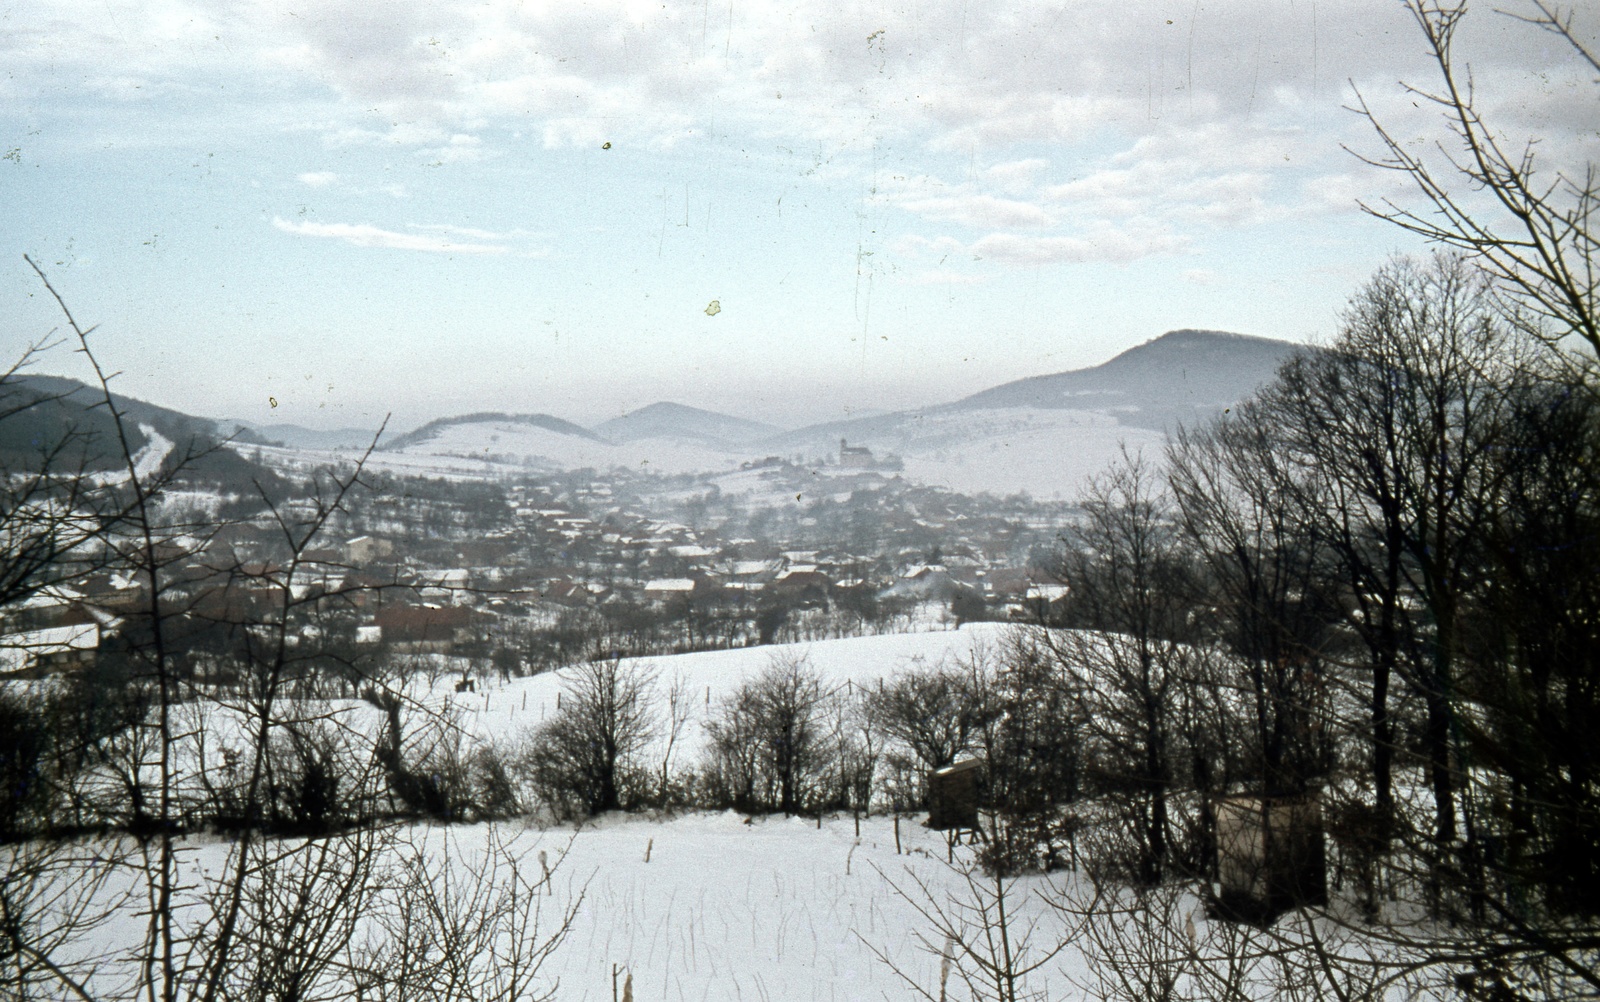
[
  {"x": 691, "y": 550},
  {"x": 670, "y": 585},
  {"x": 19, "y": 650}
]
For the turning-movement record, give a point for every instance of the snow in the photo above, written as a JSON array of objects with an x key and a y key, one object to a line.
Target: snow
[
  {"x": 708, "y": 905},
  {"x": 503, "y": 710},
  {"x": 513, "y": 443},
  {"x": 1045, "y": 452},
  {"x": 776, "y": 909}
]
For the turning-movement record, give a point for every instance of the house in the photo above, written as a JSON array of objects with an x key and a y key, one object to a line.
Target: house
[
  {"x": 666, "y": 589},
  {"x": 366, "y": 549},
  {"x": 422, "y": 628},
  {"x": 56, "y": 648},
  {"x": 803, "y": 584},
  {"x": 923, "y": 581}
]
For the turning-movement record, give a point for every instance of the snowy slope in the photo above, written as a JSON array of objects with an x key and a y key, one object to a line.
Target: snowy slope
[
  {"x": 777, "y": 909},
  {"x": 1046, "y": 452},
  {"x": 510, "y": 443},
  {"x": 506, "y": 710}
]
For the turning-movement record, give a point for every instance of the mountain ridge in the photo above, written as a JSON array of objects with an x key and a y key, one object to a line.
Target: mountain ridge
[
  {"x": 425, "y": 432},
  {"x": 668, "y": 419}
]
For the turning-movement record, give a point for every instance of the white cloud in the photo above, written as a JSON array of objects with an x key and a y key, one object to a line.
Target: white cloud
[
  {"x": 1116, "y": 246},
  {"x": 1015, "y": 177},
  {"x": 318, "y": 178},
  {"x": 980, "y": 212},
  {"x": 364, "y": 235},
  {"x": 461, "y": 148},
  {"x": 470, "y": 232}
]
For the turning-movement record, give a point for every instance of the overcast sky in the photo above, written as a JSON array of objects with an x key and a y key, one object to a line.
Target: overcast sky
[{"x": 352, "y": 208}]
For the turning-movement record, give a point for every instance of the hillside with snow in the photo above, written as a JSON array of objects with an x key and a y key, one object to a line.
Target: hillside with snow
[
  {"x": 1043, "y": 435},
  {"x": 677, "y": 422},
  {"x": 502, "y": 443}
]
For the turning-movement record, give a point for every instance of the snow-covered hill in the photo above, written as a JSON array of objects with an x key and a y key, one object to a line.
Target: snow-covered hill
[
  {"x": 511, "y": 442},
  {"x": 1181, "y": 376},
  {"x": 677, "y": 422},
  {"x": 1045, "y": 434},
  {"x": 1042, "y": 435}
]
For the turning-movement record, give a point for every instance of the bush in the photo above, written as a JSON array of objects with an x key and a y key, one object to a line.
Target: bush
[
  {"x": 769, "y": 751},
  {"x": 585, "y": 760}
]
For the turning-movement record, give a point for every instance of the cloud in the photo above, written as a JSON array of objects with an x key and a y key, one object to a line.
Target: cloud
[
  {"x": 364, "y": 235},
  {"x": 318, "y": 178},
  {"x": 1114, "y": 246},
  {"x": 914, "y": 245},
  {"x": 470, "y": 232},
  {"x": 1094, "y": 114},
  {"x": 461, "y": 148},
  {"x": 980, "y": 212},
  {"x": 1015, "y": 177}
]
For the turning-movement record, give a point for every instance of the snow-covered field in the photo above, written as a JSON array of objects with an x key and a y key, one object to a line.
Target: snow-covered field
[
  {"x": 773, "y": 910},
  {"x": 706, "y": 905},
  {"x": 709, "y": 905},
  {"x": 770, "y": 911},
  {"x": 503, "y": 710},
  {"x": 1047, "y": 453},
  {"x": 513, "y": 443}
]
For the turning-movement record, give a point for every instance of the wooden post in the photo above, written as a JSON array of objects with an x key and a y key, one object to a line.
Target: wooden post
[
  {"x": 897, "y": 834},
  {"x": 858, "y": 822}
]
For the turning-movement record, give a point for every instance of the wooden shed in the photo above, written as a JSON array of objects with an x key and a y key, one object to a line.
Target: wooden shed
[
  {"x": 953, "y": 796},
  {"x": 1270, "y": 854}
]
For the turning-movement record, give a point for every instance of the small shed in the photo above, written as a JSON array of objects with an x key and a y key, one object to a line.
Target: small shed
[
  {"x": 953, "y": 796},
  {"x": 1270, "y": 854}
]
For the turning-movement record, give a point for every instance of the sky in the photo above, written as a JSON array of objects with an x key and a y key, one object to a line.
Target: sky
[{"x": 328, "y": 211}]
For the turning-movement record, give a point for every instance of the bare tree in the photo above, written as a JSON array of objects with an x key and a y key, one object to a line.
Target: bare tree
[
  {"x": 1533, "y": 229},
  {"x": 1133, "y": 592},
  {"x": 926, "y": 709}
]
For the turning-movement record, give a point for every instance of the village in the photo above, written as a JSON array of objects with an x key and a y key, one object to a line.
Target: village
[{"x": 524, "y": 575}]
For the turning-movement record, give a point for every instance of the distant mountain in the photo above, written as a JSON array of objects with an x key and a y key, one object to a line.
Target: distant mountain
[
  {"x": 437, "y": 428},
  {"x": 1045, "y": 433},
  {"x": 1182, "y": 375},
  {"x": 538, "y": 442},
  {"x": 678, "y": 422},
  {"x": 1042, "y": 434},
  {"x": 294, "y": 436}
]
